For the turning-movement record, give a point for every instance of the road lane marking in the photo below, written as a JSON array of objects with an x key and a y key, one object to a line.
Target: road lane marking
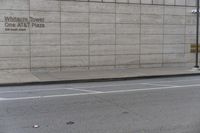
[
  {"x": 1, "y": 99},
  {"x": 84, "y": 89},
  {"x": 77, "y": 89},
  {"x": 98, "y": 86},
  {"x": 37, "y": 90},
  {"x": 95, "y": 93},
  {"x": 159, "y": 84}
]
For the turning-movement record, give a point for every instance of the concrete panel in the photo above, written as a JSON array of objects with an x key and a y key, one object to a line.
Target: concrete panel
[
  {"x": 102, "y": 7},
  {"x": 127, "y": 49},
  {"x": 174, "y": 58},
  {"x": 45, "y": 51},
  {"x": 151, "y": 65},
  {"x": 45, "y": 39},
  {"x": 128, "y": 8},
  {"x": 127, "y": 66},
  {"x": 102, "y": 28},
  {"x": 101, "y": 18},
  {"x": 14, "y": 39},
  {"x": 174, "y": 49},
  {"x": 176, "y": 65},
  {"x": 127, "y": 39},
  {"x": 152, "y": 19},
  {"x": 151, "y": 49},
  {"x": 174, "y": 10},
  {"x": 102, "y": 60},
  {"x": 180, "y": 2},
  {"x": 174, "y": 39},
  {"x": 102, "y": 68},
  {"x": 151, "y": 59},
  {"x": 158, "y": 2},
  {"x": 188, "y": 49},
  {"x": 122, "y": 1},
  {"x": 44, "y": 5},
  {"x": 70, "y": 69},
  {"x": 15, "y": 4},
  {"x": 45, "y": 69},
  {"x": 127, "y": 59},
  {"x": 191, "y": 20},
  {"x": 49, "y": 28},
  {"x": 152, "y": 9},
  {"x": 127, "y": 18},
  {"x": 14, "y": 51},
  {"x": 74, "y": 61},
  {"x": 152, "y": 29},
  {"x": 170, "y": 2},
  {"x": 45, "y": 62},
  {"x": 14, "y": 63},
  {"x": 107, "y": 39},
  {"x": 74, "y": 28},
  {"x": 151, "y": 39},
  {"x": 48, "y": 16},
  {"x": 190, "y": 58},
  {"x": 74, "y": 17},
  {"x": 74, "y": 39},
  {"x": 190, "y": 39},
  {"x": 102, "y": 50},
  {"x": 134, "y": 1},
  {"x": 95, "y": 0},
  {"x": 174, "y": 29},
  {"x": 73, "y": 6},
  {"x": 190, "y": 30},
  {"x": 146, "y": 1},
  {"x": 190, "y": 2},
  {"x": 189, "y": 11},
  {"x": 109, "y": 1},
  {"x": 127, "y": 28},
  {"x": 74, "y": 50},
  {"x": 175, "y": 19}
]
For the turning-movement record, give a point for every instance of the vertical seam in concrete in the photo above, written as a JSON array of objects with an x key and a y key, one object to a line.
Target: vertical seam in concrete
[
  {"x": 115, "y": 65},
  {"x": 88, "y": 35},
  {"x": 60, "y": 35},
  {"x": 30, "y": 58},
  {"x": 163, "y": 28},
  {"x": 185, "y": 39},
  {"x": 140, "y": 35}
]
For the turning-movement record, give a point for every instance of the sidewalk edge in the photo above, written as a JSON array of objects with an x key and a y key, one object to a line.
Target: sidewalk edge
[{"x": 95, "y": 80}]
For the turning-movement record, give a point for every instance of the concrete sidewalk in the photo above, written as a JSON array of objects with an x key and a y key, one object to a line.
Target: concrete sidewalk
[{"x": 7, "y": 78}]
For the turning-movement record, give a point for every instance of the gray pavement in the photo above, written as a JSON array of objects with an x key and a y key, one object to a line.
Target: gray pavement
[
  {"x": 8, "y": 78},
  {"x": 158, "y": 105}
]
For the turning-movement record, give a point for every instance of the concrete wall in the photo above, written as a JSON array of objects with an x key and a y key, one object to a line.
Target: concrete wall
[{"x": 100, "y": 34}]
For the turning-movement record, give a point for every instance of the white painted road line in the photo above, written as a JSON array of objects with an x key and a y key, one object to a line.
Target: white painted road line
[
  {"x": 76, "y": 89},
  {"x": 84, "y": 89},
  {"x": 159, "y": 84},
  {"x": 37, "y": 90},
  {"x": 95, "y": 93}
]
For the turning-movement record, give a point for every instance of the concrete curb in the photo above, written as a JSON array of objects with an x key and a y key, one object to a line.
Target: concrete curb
[{"x": 96, "y": 80}]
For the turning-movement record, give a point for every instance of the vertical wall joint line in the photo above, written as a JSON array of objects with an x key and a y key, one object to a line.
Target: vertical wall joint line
[
  {"x": 60, "y": 8},
  {"x": 30, "y": 58}
]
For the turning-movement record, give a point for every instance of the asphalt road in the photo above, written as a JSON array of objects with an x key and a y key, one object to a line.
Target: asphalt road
[{"x": 165, "y": 105}]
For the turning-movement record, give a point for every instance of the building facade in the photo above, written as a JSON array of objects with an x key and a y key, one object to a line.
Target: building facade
[{"x": 63, "y": 35}]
